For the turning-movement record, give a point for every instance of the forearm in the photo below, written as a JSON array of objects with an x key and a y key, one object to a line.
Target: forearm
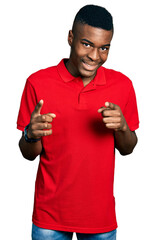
[
  {"x": 30, "y": 150},
  {"x": 125, "y": 141}
]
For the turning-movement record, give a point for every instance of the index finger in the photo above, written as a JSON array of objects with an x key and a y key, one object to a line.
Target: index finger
[
  {"x": 111, "y": 105},
  {"x": 45, "y": 117}
]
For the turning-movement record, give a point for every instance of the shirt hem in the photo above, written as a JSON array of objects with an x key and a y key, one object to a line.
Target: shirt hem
[
  {"x": 135, "y": 127},
  {"x": 75, "y": 229},
  {"x": 20, "y": 127}
]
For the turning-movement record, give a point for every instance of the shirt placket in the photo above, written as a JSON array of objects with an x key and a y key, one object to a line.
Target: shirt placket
[{"x": 82, "y": 96}]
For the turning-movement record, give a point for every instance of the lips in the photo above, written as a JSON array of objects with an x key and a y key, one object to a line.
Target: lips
[{"x": 89, "y": 67}]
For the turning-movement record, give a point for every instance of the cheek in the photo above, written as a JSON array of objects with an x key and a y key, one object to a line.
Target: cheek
[
  {"x": 104, "y": 57},
  {"x": 80, "y": 51}
]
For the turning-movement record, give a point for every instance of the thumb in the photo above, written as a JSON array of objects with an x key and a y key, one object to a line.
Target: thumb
[{"x": 38, "y": 107}]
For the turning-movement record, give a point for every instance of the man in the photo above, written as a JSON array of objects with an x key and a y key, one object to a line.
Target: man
[{"x": 93, "y": 111}]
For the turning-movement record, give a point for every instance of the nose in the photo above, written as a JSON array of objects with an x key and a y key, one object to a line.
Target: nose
[{"x": 94, "y": 54}]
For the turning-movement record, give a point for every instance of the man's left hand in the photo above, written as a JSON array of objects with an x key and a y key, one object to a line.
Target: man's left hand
[{"x": 113, "y": 117}]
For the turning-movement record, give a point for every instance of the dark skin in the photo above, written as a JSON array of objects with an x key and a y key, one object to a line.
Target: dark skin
[
  {"x": 125, "y": 139},
  {"x": 89, "y": 50},
  {"x": 40, "y": 126}
]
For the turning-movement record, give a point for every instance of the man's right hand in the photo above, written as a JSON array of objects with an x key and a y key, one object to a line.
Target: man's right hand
[{"x": 40, "y": 124}]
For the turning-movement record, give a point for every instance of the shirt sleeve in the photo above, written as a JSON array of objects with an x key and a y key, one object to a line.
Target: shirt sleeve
[
  {"x": 131, "y": 111},
  {"x": 27, "y": 106}
]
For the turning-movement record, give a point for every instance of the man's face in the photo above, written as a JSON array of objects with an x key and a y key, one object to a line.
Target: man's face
[{"x": 89, "y": 50}]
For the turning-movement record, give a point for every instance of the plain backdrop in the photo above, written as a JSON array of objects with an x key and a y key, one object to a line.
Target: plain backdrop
[{"x": 34, "y": 36}]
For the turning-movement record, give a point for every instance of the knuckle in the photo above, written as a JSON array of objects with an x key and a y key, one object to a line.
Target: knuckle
[
  {"x": 104, "y": 113},
  {"x": 47, "y": 133},
  {"x": 104, "y": 120},
  {"x": 119, "y": 119},
  {"x": 47, "y": 126},
  {"x": 43, "y": 118},
  {"x": 44, "y": 133},
  {"x": 117, "y": 113},
  {"x": 33, "y": 134},
  {"x": 32, "y": 127},
  {"x": 50, "y": 119},
  {"x": 108, "y": 125},
  {"x": 33, "y": 120}
]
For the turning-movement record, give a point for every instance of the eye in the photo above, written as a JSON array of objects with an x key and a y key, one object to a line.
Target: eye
[
  {"x": 87, "y": 45},
  {"x": 104, "y": 49}
]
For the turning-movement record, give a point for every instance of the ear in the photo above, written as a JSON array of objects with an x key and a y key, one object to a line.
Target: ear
[{"x": 70, "y": 37}]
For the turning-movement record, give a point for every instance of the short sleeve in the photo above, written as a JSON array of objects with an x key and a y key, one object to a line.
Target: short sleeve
[
  {"x": 131, "y": 111},
  {"x": 27, "y": 105}
]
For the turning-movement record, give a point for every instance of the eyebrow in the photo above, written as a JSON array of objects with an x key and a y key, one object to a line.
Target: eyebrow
[{"x": 106, "y": 45}]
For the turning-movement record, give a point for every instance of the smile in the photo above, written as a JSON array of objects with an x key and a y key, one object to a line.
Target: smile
[{"x": 89, "y": 67}]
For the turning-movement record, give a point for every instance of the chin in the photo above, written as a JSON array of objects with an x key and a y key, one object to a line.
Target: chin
[{"x": 88, "y": 74}]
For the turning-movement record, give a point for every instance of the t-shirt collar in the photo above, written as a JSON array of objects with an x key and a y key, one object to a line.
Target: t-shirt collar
[{"x": 66, "y": 76}]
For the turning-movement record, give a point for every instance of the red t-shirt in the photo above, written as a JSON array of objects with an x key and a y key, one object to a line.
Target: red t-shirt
[{"x": 74, "y": 185}]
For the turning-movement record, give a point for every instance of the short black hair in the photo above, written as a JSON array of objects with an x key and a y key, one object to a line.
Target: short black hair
[{"x": 95, "y": 16}]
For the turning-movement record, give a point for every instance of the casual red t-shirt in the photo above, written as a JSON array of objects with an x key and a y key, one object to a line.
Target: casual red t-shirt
[{"x": 74, "y": 185}]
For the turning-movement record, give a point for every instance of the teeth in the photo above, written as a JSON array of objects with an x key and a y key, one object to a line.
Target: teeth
[{"x": 88, "y": 65}]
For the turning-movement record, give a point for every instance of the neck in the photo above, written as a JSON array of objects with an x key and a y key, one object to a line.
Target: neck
[
  {"x": 86, "y": 81},
  {"x": 72, "y": 70}
]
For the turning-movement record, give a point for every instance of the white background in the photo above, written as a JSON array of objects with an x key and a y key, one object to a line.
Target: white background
[{"x": 34, "y": 36}]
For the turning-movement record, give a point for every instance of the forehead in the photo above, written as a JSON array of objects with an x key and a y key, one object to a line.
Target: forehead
[{"x": 93, "y": 34}]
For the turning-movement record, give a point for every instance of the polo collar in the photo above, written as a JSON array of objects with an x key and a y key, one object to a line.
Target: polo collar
[{"x": 100, "y": 78}]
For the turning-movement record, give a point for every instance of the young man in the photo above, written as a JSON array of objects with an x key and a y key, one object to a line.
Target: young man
[{"x": 93, "y": 111}]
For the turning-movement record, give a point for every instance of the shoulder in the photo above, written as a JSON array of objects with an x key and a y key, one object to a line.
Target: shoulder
[
  {"x": 42, "y": 75},
  {"x": 118, "y": 80},
  {"x": 116, "y": 75}
]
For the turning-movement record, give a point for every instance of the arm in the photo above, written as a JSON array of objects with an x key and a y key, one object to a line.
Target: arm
[
  {"x": 40, "y": 125},
  {"x": 30, "y": 150},
  {"x": 125, "y": 139}
]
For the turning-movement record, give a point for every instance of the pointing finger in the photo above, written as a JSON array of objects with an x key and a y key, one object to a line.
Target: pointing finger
[
  {"x": 45, "y": 117},
  {"x": 48, "y": 117},
  {"x": 101, "y": 109},
  {"x": 53, "y": 115},
  {"x": 110, "y": 105}
]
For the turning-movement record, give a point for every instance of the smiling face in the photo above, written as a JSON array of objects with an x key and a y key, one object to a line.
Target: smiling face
[{"x": 89, "y": 50}]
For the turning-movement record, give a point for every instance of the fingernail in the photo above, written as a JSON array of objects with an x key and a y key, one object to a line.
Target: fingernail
[
  {"x": 53, "y": 115},
  {"x": 107, "y": 104},
  {"x": 41, "y": 101}
]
